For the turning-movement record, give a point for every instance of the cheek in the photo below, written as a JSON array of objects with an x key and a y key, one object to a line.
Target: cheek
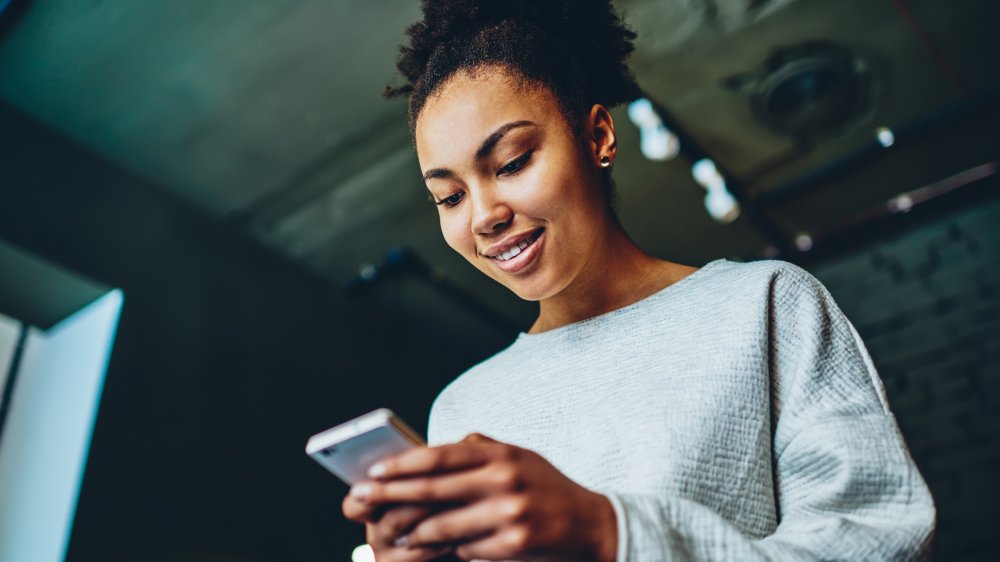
[{"x": 457, "y": 234}]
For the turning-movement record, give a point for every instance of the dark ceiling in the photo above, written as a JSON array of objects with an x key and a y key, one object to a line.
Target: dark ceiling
[{"x": 268, "y": 113}]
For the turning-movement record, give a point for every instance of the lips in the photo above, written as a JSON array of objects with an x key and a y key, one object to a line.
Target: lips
[
  {"x": 515, "y": 249},
  {"x": 515, "y": 256}
]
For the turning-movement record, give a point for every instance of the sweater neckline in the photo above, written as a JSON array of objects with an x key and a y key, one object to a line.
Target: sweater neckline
[{"x": 662, "y": 293}]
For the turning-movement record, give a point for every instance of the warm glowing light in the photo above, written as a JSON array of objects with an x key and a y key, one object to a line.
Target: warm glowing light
[
  {"x": 901, "y": 204},
  {"x": 803, "y": 242},
  {"x": 363, "y": 553}
]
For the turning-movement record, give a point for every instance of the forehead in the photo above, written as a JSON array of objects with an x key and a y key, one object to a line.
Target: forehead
[{"x": 469, "y": 107}]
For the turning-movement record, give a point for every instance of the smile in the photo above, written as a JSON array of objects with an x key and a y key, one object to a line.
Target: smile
[{"x": 519, "y": 255}]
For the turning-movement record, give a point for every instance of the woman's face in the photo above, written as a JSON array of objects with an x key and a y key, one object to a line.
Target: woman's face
[{"x": 518, "y": 195}]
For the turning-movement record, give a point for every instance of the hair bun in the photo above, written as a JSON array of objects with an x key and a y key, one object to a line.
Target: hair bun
[{"x": 577, "y": 48}]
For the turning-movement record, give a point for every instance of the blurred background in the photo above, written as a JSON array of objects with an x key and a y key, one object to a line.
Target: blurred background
[{"x": 228, "y": 176}]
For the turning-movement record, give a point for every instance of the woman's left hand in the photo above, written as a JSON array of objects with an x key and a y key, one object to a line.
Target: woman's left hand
[{"x": 512, "y": 504}]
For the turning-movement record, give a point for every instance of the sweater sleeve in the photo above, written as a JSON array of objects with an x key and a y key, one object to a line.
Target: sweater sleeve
[{"x": 844, "y": 483}]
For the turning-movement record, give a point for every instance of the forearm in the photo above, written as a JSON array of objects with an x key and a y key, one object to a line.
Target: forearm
[
  {"x": 670, "y": 530},
  {"x": 845, "y": 490}
]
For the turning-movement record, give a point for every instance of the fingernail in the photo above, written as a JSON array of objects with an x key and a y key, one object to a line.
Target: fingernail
[
  {"x": 377, "y": 470},
  {"x": 402, "y": 542},
  {"x": 361, "y": 491}
]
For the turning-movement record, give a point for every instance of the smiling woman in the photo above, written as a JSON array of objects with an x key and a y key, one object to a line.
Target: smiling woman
[
  {"x": 512, "y": 179},
  {"x": 654, "y": 411}
]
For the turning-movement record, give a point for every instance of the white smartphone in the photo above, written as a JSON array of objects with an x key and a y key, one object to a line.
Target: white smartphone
[{"x": 350, "y": 449}]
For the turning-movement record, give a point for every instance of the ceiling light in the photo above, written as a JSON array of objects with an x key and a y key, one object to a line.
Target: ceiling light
[
  {"x": 706, "y": 174},
  {"x": 719, "y": 202},
  {"x": 900, "y": 204},
  {"x": 721, "y": 205},
  {"x": 656, "y": 142},
  {"x": 803, "y": 242},
  {"x": 885, "y": 136}
]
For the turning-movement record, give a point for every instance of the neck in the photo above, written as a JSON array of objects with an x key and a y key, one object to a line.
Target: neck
[{"x": 617, "y": 275}]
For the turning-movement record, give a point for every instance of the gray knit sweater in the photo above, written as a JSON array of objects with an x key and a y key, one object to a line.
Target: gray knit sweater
[{"x": 734, "y": 415}]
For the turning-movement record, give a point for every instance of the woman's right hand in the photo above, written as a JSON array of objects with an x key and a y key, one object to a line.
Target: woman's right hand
[{"x": 384, "y": 528}]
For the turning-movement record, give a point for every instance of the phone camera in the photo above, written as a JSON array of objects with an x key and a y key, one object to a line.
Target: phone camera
[{"x": 328, "y": 452}]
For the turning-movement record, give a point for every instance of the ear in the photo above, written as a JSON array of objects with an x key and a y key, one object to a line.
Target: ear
[{"x": 601, "y": 134}]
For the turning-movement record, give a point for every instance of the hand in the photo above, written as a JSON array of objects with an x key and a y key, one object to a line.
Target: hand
[
  {"x": 503, "y": 503},
  {"x": 384, "y": 527}
]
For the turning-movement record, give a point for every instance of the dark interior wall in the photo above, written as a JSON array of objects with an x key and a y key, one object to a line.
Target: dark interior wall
[
  {"x": 926, "y": 300},
  {"x": 227, "y": 358}
]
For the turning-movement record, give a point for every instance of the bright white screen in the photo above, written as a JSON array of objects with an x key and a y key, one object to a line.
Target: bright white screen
[{"x": 44, "y": 444}]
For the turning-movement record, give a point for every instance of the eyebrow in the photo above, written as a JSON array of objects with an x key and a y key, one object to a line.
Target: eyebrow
[{"x": 484, "y": 149}]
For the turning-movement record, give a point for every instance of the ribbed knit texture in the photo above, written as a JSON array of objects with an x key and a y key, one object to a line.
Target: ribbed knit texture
[{"x": 734, "y": 415}]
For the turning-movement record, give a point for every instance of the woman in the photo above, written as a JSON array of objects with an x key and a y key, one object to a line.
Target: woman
[{"x": 653, "y": 411}]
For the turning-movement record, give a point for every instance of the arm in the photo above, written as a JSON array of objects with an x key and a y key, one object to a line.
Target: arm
[{"x": 845, "y": 485}]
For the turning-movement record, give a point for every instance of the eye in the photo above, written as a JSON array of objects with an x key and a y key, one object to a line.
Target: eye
[
  {"x": 451, "y": 200},
  {"x": 515, "y": 165}
]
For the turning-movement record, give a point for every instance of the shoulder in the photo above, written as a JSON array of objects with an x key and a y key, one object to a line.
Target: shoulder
[
  {"x": 775, "y": 278},
  {"x": 763, "y": 291},
  {"x": 765, "y": 271}
]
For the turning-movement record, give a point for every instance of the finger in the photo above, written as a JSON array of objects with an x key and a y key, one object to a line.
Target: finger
[
  {"x": 357, "y": 510},
  {"x": 398, "y": 522},
  {"x": 427, "y": 460},
  {"x": 447, "y": 488},
  {"x": 510, "y": 543},
  {"x": 468, "y": 523}
]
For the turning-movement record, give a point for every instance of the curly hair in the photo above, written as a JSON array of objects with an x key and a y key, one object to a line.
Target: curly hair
[{"x": 576, "y": 48}]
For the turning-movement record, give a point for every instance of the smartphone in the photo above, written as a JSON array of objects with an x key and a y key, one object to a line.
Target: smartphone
[{"x": 350, "y": 449}]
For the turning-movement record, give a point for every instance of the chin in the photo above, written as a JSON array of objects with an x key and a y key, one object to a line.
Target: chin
[
  {"x": 532, "y": 292},
  {"x": 531, "y": 288},
  {"x": 527, "y": 296}
]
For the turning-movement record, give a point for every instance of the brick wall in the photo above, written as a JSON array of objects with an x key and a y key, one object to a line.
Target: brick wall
[{"x": 927, "y": 303}]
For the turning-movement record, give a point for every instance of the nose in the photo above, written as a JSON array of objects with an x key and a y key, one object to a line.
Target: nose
[{"x": 489, "y": 213}]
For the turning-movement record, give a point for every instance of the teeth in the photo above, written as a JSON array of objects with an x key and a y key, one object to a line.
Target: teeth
[
  {"x": 507, "y": 254},
  {"x": 504, "y": 256}
]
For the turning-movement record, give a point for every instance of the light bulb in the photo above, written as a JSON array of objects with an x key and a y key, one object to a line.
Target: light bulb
[
  {"x": 705, "y": 173},
  {"x": 641, "y": 113},
  {"x": 658, "y": 143},
  {"x": 655, "y": 140},
  {"x": 803, "y": 242},
  {"x": 721, "y": 205},
  {"x": 900, "y": 204},
  {"x": 885, "y": 136}
]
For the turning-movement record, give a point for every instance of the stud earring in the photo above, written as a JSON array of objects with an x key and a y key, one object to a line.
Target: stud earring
[{"x": 605, "y": 161}]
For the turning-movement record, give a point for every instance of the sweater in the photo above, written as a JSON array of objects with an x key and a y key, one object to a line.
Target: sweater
[{"x": 733, "y": 415}]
